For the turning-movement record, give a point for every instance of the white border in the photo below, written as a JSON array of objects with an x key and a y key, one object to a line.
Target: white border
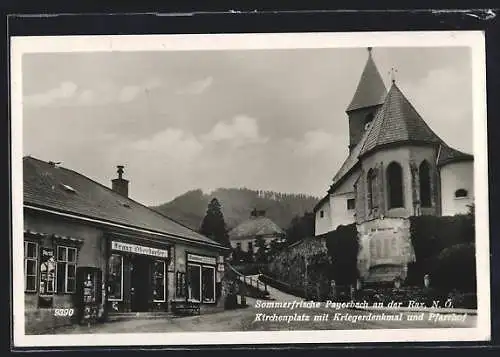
[{"x": 472, "y": 39}]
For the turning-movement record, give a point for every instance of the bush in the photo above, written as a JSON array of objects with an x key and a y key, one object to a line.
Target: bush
[
  {"x": 343, "y": 248},
  {"x": 455, "y": 268},
  {"x": 430, "y": 235}
]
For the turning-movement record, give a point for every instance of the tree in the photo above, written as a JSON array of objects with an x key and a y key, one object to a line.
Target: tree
[
  {"x": 261, "y": 254},
  {"x": 213, "y": 225},
  {"x": 300, "y": 227},
  {"x": 343, "y": 248}
]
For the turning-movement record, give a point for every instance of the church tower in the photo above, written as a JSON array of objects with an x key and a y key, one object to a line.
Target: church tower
[{"x": 369, "y": 96}]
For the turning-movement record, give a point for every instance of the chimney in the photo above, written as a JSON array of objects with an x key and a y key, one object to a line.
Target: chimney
[{"x": 120, "y": 185}]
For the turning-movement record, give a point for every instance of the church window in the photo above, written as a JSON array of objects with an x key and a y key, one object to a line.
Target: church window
[
  {"x": 321, "y": 214},
  {"x": 425, "y": 184},
  {"x": 395, "y": 185},
  {"x": 368, "y": 119},
  {"x": 351, "y": 203},
  {"x": 461, "y": 193},
  {"x": 370, "y": 178}
]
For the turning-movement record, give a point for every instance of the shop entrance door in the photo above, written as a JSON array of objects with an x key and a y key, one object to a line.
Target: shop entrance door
[{"x": 140, "y": 283}]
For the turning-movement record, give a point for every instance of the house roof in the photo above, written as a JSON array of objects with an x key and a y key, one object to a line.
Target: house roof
[
  {"x": 448, "y": 155},
  {"x": 397, "y": 121},
  {"x": 371, "y": 89},
  {"x": 255, "y": 226},
  {"x": 50, "y": 186}
]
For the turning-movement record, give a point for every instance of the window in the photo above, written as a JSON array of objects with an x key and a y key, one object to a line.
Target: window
[
  {"x": 194, "y": 282},
  {"x": 395, "y": 185},
  {"x": 370, "y": 182},
  {"x": 66, "y": 269},
  {"x": 368, "y": 119},
  {"x": 461, "y": 193},
  {"x": 159, "y": 281},
  {"x": 201, "y": 283},
  {"x": 208, "y": 284},
  {"x": 424, "y": 178},
  {"x": 47, "y": 271},
  {"x": 115, "y": 278},
  {"x": 250, "y": 247},
  {"x": 321, "y": 214},
  {"x": 30, "y": 265},
  {"x": 351, "y": 204}
]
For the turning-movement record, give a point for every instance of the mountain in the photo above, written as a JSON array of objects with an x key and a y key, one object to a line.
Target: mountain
[{"x": 237, "y": 203}]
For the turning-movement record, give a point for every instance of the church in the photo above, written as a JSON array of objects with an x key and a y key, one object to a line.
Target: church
[{"x": 397, "y": 167}]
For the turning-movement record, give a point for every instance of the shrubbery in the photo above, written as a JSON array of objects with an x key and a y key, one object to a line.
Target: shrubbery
[
  {"x": 343, "y": 248},
  {"x": 444, "y": 248}
]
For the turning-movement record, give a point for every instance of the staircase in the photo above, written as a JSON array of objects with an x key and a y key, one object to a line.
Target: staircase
[{"x": 254, "y": 287}]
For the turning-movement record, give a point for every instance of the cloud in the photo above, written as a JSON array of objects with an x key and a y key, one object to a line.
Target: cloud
[
  {"x": 129, "y": 93},
  {"x": 314, "y": 143},
  {"x": 242, "y": 130},
  {"x": 172, "y": 144},
  {"x": 68, "y": 93},
  {"x": 197, "y": 87},
  {"x": 65, "y": 90}
]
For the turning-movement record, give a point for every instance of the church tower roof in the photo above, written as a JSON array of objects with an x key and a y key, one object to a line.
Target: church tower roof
[
  {"x": 397, "y": 121},
  {"x": 371, "y": 89}
]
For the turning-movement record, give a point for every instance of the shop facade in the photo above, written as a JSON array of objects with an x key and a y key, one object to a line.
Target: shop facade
[{"x": 73, "y": 260}]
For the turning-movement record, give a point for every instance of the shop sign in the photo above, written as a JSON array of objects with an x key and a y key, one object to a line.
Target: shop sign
[
  {"x": 139, "y": 249},
  {"x": 201, "y": 259}
]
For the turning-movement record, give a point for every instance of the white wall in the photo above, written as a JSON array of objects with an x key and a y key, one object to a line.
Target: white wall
[
  {"x": 323, "y": 224},
  {"x": 455, "y": 176}
]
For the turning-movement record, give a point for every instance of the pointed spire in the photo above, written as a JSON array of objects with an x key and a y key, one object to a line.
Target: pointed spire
[
  {"x": 371, "y": 89},
  {"x": 397, "y": 121}
]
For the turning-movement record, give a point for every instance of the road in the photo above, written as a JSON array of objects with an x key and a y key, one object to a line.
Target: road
[{"x": 254, "y": 318}]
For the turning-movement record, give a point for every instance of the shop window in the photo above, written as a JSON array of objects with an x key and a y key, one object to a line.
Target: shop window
[
  {"x": 395, "y": 185},
  {"x": 159, "y": 281},
  {"x": 194, "y": 282},
  {"x": 208, "y": 284},
  {"x": 30, "y": 266},
  {"x": 115, "y": 278},
  {"x": 66, "y": 269},
  {"x": 461, "y": 193},
  {"x": 201, "y": 283},
  {"x": 180, "y": 284},
  {"x": 47, "y": 271},
  {"x": 351, "y": 204},
  {"x": 425, "y": 184}
]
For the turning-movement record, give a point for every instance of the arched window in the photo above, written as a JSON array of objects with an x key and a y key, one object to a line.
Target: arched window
[
  {"x": 395, "y": 185},
  {"x": 461, "y": 193},
  {"x": 424, "y": 178},
  {"x": 368, "y": 118},
  {"x": 370, "y": 184}
]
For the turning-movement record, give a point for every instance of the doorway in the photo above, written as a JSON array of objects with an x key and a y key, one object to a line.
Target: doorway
[{"x": 140, "y": 283}]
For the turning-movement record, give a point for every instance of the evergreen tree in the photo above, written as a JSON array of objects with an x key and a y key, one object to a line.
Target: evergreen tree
[{"x": 213, "y": 225}]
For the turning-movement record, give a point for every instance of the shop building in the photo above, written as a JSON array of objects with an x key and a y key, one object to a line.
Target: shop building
[{"x": 132, "y": 258}]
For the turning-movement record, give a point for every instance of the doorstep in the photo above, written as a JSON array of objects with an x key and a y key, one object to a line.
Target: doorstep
[{"x": 121, "y": 316}]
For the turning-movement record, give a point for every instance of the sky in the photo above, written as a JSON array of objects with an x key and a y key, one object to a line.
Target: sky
[{"x": 261, "y": 119}]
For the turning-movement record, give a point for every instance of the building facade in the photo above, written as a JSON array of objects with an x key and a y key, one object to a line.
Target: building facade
[
  {"x": 84, "y": 242},
  {"x": 244, "y": 236},
  {"x": 397, "y": 167}
]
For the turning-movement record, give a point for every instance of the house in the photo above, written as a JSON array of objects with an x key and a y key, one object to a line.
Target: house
[
  {"x": 397, "y": 167},
  {"x": 244, "y": 235},
  {"x": 79, "y": 232}
]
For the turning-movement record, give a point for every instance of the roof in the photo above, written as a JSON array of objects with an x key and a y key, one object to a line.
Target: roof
[
  {"x": 350, "y": 162},
  {"x": 54, "y": 187},
  {"x": 397, "y": 121},
  {"x": 255, "y": 226},
  {"x": 448, "y": 155},
  {"x": 371, "y": 89}
]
